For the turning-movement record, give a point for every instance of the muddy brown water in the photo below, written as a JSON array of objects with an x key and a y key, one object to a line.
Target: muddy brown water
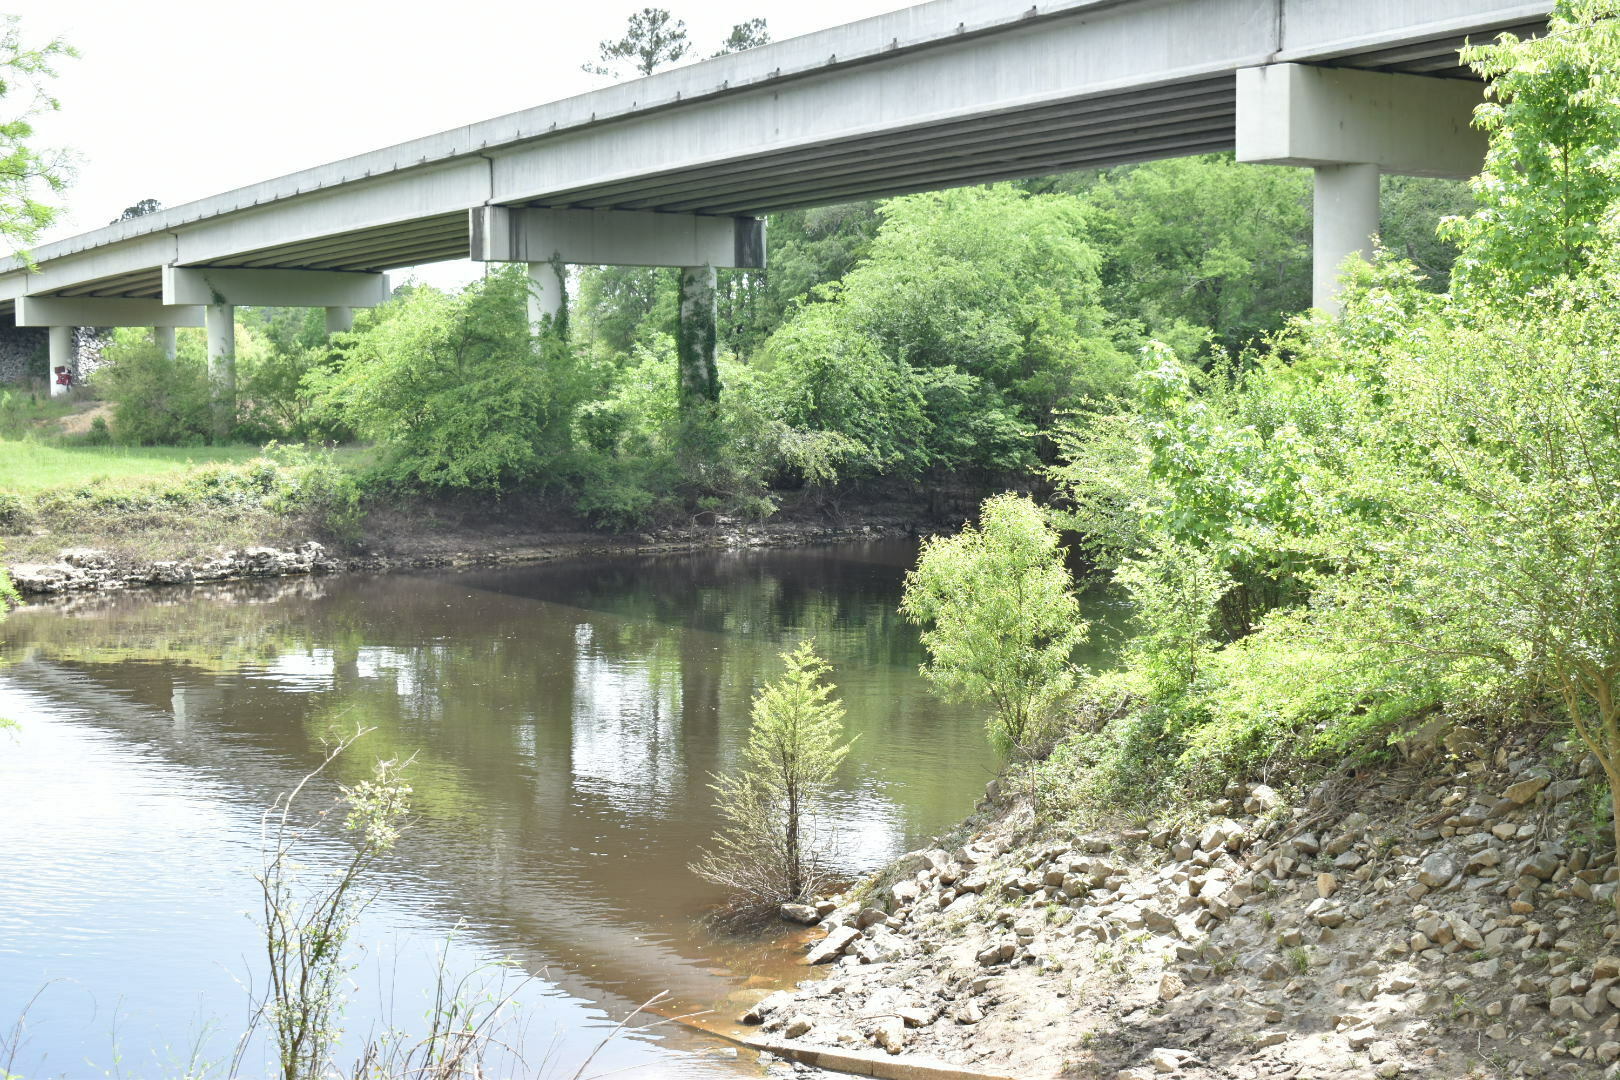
[{"x": 566, "y": 721}]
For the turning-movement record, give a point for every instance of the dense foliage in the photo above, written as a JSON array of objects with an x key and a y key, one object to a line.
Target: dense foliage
[
  {"x": 456, "y": 388},
  {"x": 1413, "y": 507},
  {"x": 26, "y": 169},
  {"x": 922, "y": 337},
  {"x": 999, "y": 618}
]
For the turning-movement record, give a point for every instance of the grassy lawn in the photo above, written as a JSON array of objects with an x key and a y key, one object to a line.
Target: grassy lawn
[{"x": 28, "y": 467}]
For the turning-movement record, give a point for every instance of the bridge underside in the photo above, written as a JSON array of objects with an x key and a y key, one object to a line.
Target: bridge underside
[{"x": 1144, "y": 122}]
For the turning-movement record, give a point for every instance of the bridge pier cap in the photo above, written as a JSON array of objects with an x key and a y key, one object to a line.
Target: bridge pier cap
[
  {"x": 103, "y": 311},
  {"x": 213, "y": 286},
  {"x": 1350, "y": 126},
  {"x": 615, "y": 238}
]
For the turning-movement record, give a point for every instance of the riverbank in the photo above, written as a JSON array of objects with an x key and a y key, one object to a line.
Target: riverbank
[
  {"x": 92, "y": 569},
  {"x": 1449, "y": 916},
  {"x": 252, "y": 542}
]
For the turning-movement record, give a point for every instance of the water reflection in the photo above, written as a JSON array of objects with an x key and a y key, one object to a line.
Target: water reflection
[{"x": 566, "y": 720}]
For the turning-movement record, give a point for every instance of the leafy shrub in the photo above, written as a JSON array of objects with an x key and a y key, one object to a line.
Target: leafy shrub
[
  {"x": 311, "y": 485},
  {"x": 157, "y": 401},
  {"x": 455, "y": 389},
  {"x": 13, "y": 510},
  {"x": 1000, "y": 619}
]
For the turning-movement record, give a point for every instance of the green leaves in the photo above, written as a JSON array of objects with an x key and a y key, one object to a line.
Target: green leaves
[
  {"x": 25, "y": 73},
  {"x": 1204, "y": 242},
  {"x": 771, "y": 850},
  {"x": 1000, "y": 619},
  {"x": 970, "y": 321},
  {"x": 1552, "y": 173},
  {"x": 455, "y": 388}
]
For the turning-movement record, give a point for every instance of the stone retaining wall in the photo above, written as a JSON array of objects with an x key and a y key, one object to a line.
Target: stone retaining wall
[{"x": 25, "y": 351}]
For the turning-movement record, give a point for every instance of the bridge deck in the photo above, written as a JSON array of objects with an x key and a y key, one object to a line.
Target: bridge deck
[{"x": 947, "y": 93}]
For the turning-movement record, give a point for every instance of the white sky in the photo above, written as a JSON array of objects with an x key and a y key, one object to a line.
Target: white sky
[{"x": 180, "y": 99}]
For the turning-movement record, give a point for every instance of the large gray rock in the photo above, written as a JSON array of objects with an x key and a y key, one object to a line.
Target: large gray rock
[
  {"x": 1526, "y": 789},
  {"x": 833, "y": 945},
  {"x": 1219, "y": 834},
  {"x": 1542, "y": 865},
  {"x": 800, "y": 913},
  {"x": 911, "y": 862},
  {"x": 766, "y": 1006},
  {"x": 1437, "y": 870}
]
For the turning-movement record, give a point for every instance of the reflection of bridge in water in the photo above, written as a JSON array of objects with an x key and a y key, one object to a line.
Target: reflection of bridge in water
[{"x": 565, "y": 750}]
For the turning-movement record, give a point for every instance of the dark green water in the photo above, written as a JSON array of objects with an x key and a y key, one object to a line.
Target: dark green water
[{"x": 566, "y": 721}]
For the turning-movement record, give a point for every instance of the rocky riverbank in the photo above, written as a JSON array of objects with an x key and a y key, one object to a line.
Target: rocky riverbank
[
  {"x": 1449, "y": 916},
  {"x": 80, "y": 569}
]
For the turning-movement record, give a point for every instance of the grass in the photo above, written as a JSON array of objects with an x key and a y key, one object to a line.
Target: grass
[
  {"x": 141, "y": 504},
  {"x": 26, "y": 410},
  {"x": 28, "y": 467}
]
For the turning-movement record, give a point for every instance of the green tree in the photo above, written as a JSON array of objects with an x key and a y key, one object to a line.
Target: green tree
[
  {"x": 455, "y": 389},
  {"x": 745, "y": 35},
  {"x": 1498, "y": 472},
  {"x": 157, "y": 400},
  {"x": 1412, "y": 210},
  {"x": 1204, "y": 242},
  {"x": 652, "y": 38},
  {"x": 1000, "y": 619},
  {"x": 25, "y": 74},
  {"x": 622, "y": 306},
  {"x": 286, "y": 345},
  {"x": 1551, "y": 172},
  {"x": 770, "y": 850},
  {"x": 982, "y": 303},
  {"x": 140, "y": 209},
  {"x": 824, "y": 379}
]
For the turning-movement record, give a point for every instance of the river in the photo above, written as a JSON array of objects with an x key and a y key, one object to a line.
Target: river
[{"x": 566, "y": 721}]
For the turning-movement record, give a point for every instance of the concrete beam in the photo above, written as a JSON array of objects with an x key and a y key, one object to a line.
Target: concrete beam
[
  {"x": 214, "y": 286},
  {"x": 102, "y": 311},
  {"x": 1292, "y": 114},
  {"x": 615, "y": 238},
  {"x": 143, "y": 254}
]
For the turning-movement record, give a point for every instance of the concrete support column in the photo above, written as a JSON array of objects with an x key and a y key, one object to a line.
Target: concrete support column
[
  {"x": 1346, "y": 220},
  {"x": 221, "y": 322},
  {"x": 163, "y": 338},
  {"x": 339, "y": 320},
  {"x": 696, "y": 335},
  {"x": 61, "y": 338},
  {"x": 548, "y": 298}
]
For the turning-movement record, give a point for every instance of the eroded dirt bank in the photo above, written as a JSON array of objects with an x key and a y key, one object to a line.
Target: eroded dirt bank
[
  {"x": 1451, "y": 916},
  {"x": 429, "y": 535}
]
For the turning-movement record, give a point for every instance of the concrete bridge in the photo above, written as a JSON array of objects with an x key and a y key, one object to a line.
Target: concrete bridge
[{"x": 677, "y": 169}]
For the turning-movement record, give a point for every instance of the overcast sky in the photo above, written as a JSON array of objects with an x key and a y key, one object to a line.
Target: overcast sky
[{"x": 179, "y": 99}]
